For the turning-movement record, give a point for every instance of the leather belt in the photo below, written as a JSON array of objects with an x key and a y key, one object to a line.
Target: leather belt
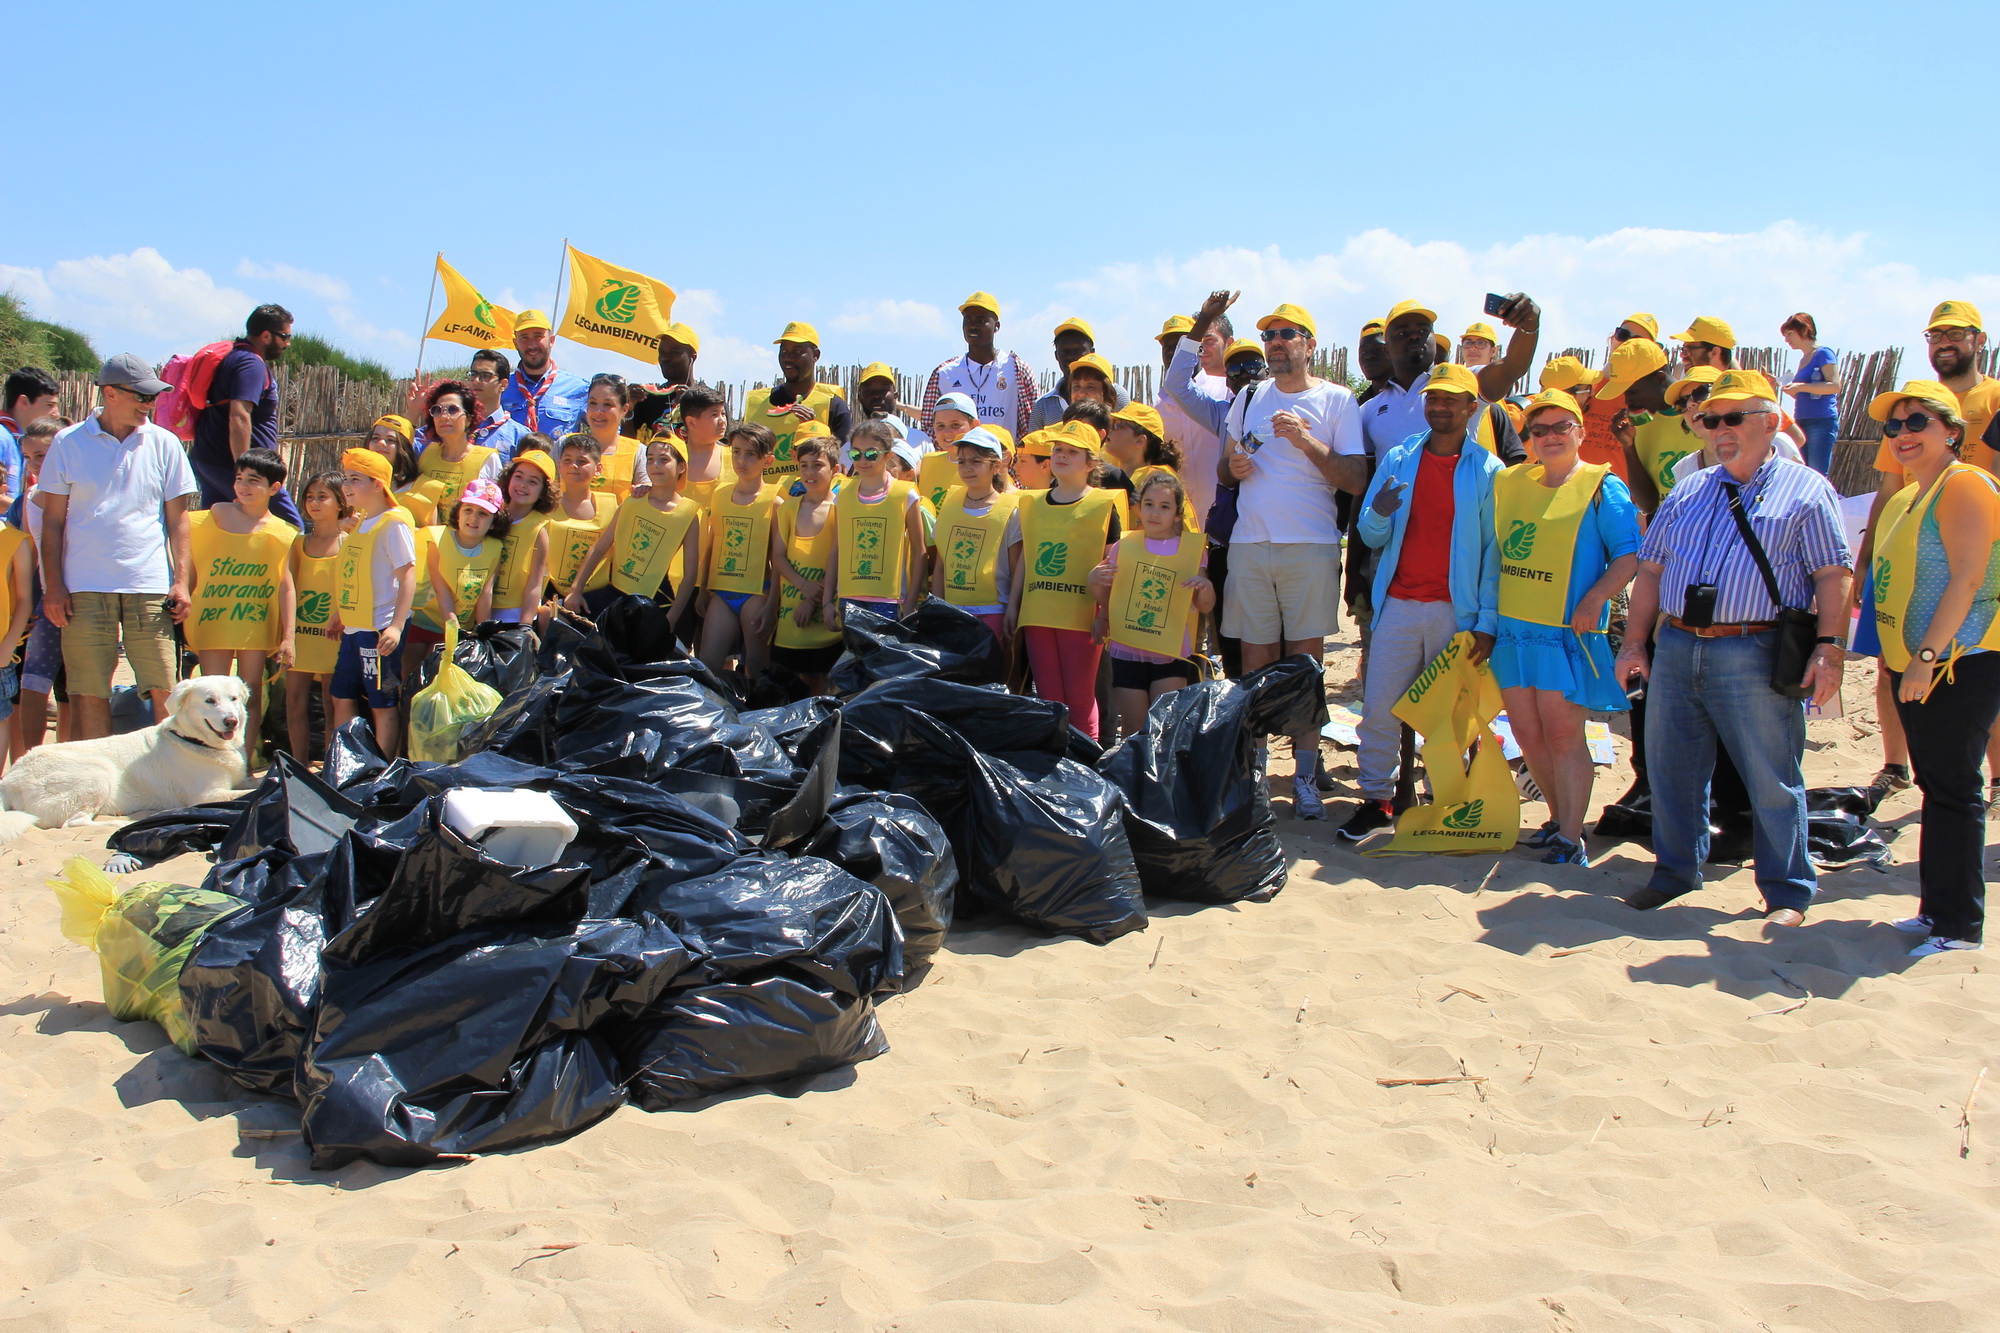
[{"x": 1722, "y": 631}]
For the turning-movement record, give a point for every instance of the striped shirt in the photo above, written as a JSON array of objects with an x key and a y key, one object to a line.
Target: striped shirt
[{"x": 1793, "y": 511}]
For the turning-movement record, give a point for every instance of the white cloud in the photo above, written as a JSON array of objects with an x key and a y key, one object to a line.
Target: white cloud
[
  {"x": 319, "y": 284},
  {"x": 892, "y": 317},
  {"x": 137, "y": 301}
]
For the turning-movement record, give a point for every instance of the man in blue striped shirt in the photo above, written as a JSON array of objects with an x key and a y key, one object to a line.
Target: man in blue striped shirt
[{"x": 1711, "y": 678}]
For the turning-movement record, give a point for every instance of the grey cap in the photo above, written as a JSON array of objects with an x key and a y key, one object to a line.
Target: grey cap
[{"x": 129, "y": 370}]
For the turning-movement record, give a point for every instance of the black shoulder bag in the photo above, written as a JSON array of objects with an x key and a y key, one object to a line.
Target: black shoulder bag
[{"x": 1798, "y": 630}]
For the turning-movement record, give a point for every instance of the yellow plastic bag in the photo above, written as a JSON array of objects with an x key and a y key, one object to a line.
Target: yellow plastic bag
[
  {"x": 1475, "y": 807},
  {"x": 141, "y": 937},
  {"x": 443, "y": 709}
]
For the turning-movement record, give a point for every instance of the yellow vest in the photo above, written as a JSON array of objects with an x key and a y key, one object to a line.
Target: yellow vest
[
  {"x": 569, "y": 543},
  {"x": 1537, "y": 526},
  {"x": 423, "y": 602},
  {"x": 873, "y": 549},
  {"x": 614, "y": 470},
  {"x": 420, "y": 507},
  {"x": 937, "y": 473},
  {"x": 1061, "y": 544},
  {"x": 1662, "y": 441},
  {"x": 739, "y": 540},
  {"x": 354, "y": 587},
  {"x": 808, "y": 556},
  {"x": 969, "y": 547},
  {"x": 315, "y": 643},
  {"x": 442, "y": 483},
  {"x": 643, "y": 542},
  {"x": 1150, "y": 608},
  {"x": 466, "y": 575},
  {"x": 235, "y": 601},
  {"x": 1896, "y": 536},
  {"x": 781, "y": 466},
  {"x": 517, "y": 548},
  {"x": 10, "y": 543}
]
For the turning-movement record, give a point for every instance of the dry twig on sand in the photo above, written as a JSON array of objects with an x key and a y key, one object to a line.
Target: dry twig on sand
[
  {"x": 1429, "y": 1082},
  {"x": 1965, "y": 1116}
]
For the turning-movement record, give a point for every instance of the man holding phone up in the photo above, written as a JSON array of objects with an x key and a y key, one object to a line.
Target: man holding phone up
[{"x": 1288, "y": 445}]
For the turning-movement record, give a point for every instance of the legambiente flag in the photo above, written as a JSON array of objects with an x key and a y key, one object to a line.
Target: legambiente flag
[
  {"x": 468, "y": 317},
  {"x": 618, "y": 309}
]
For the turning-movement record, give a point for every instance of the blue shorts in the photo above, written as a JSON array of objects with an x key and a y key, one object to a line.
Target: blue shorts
[
  {"x": 10, "y": 684},
  {"x": 41, "y": 660},
  {"x": 361, "y": 676},
  {"x": 735, "y": 600}
]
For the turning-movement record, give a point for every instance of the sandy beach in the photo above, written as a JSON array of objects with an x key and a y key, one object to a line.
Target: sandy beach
[{"x": 1688, "y": 1120}]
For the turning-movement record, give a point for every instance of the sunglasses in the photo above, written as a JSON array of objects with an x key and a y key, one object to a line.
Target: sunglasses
[
  {"x": 448, "y": 410},
  {"x": 1693, "y": 396},
  {"x": 1247, "y": 366},
  {"x": 1916, "y": 421},
  {"x": 142, "y": 397},
  {"x": 867, "y": 455},
  {"x": 1710, "y": 420},
  {"x": 1622, "y": 334},
  {"x": 1284, "y": 335},
  {"x": 1543, "y": 432}
]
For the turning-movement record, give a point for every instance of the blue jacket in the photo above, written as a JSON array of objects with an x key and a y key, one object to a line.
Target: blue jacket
[
  {"x": 1475, "y": 553},
  {"x": 559, "y": 407}
]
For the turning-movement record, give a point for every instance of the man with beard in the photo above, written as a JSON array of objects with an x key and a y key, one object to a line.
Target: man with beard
[
  {"x": 797, "y": 398},
  {"x": 538, "y": 395},
  {"x": 242, "y": 411},
  {"x": 655, "y": 407},
  {"x": 998, "y": 382}
]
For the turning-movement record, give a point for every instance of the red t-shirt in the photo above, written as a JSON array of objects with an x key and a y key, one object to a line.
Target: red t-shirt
[{"x": 1423, "y": 572}]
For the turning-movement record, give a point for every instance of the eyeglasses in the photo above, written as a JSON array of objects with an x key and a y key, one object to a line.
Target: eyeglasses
[
  {"x": 447, "y": 410},
  {"x": 1559, "y": 428},
  {"x": 482, "y": 376},
  {"x": 1702, "y": 349},
  {"x": 1913, "y": 423},
  {"x": 867, "y": 455},
  {"x": 1710, "y": 420},
  {"x": 1285, "y": 335},
  {"x": 1952, "y": 335}
]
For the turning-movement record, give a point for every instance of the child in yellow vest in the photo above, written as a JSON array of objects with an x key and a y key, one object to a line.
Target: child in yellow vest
[
  {"x": 633, "y": 553},
  {"x": 17, "y": 604},
  {"x": 464, "y": 557},
  {"x": 802, "y": 531},
  {"x": 1138, "y": 444},
  {"x": 1150, "y": 591},
  {"x": 1031, "y": 462},
  {"x": 1063, "y": 533},
  {"x": 375, "y": 582},
  {"x": 243, "y": 600},
  {"x": 315, "y": 638},
  {"x": 621, "y": 462},
  {"x": 974, "y": 569},
  {"x": 582, "y": 515},
  {"x": 704, "y": 416},
  {"x": 736, "y": 603},
  {"x": 390, "y": 437},
  {"x": 529, "y": 485},
  {"x": 878, "y": 555}
]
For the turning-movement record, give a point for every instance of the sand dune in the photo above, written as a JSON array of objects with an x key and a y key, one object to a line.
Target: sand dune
[{"x": 1181, "y": 1130}]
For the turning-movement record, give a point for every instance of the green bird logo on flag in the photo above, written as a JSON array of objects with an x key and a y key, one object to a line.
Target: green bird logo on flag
[
  {"x": 620, "y": 301},
  {"x": 1467, "y": 816}
]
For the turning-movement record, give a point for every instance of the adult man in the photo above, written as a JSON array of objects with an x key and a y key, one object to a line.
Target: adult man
[
  {"x": 1395, "y": 411},
  {"x": 1201, "y": 446},
  {"x": 1631, "y": 361},
  {"x": 1289, "y": 446},
  {"x": 998, "y": 381},
  {"x": 1371, "y": 358},
  {"x": 879, "y": 396},
  {"x": 1430, "y": 507},
  {"x": 1711, "y": 674},
  {"x": 1707, "y": 342},
  {"x": 31, "y": 393},
  {"x": 242, "y": 411},
  {"x": 538, "y": 395},
  {"x": 1074, "y": 338},
  {"x": 654, "y": 405},
  {"x": 797, "y": 398},
  {"x": 114, "y": 492},
  {"x": 496, "y": 428},
  {"x": 1638, "y": 325}
]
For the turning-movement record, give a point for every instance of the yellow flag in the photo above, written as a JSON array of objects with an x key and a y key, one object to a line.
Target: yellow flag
[
  {"x": 468, "y": 317},
  {"x": 618, "y": 309},
  {"x": 1476, "y": 806}
]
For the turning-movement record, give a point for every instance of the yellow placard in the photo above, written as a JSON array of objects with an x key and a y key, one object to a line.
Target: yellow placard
[
  {"x": 618, "y": 309},
  {"x": 1475, "y": 805},
  {"x": 469, "y": 318}
]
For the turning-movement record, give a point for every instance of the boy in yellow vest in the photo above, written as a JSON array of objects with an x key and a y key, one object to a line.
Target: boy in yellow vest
[
  {"x": 244, "y": 604},
  {"x": 735, "y": 608},
  {"x": 375, "y": 583},
  {"x": 974, "y": 571}
]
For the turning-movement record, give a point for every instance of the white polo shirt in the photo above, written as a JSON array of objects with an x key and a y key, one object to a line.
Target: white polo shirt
[
  {"x": 115, "y": 534},
  {"x": 1394, "y": 415},
  {"x": 1285, "y": 498}
]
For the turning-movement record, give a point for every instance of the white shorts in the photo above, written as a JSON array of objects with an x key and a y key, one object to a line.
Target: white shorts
[{"x": 1281, "y": 591}]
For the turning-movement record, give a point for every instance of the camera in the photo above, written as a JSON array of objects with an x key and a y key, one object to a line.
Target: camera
[{"x": 1698, "y": 609}]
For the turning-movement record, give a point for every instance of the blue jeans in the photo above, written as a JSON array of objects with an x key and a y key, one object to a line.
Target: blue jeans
[
  {"x": 1702, "y": 691},
  {"x": 1821, "y": 432}
]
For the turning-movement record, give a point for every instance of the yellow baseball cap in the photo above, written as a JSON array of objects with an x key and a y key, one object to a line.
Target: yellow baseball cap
[
  {"x": 1736, "y": 385},
  {"x": 1443, "y": 344},
  {"x": 1093, "y": 361},
  {"x": 1879, "y": 405},
  {"x": 1699, "y": 375},
  {"x": 1553, "y": 398},
  {"x": 1035, "y": 442},
  {"x": 1005, "y": 436},
  {"x": 1450, "y": 377},
  {"x": 1403, "y": 308},
  {"x": 1646, "y": 322},
  {"x": 1947, "y": 315},
  {"x": 877, "y": 370},
  {"x": 812, "y": 430},
  {"x": 1078, "y": 325},
  {"x": 1290, "y": 314},
  {"x": 1373, "y": 326},
  {"x": 1707, "y": 329},
  {"x": 1239, "y": 347},
  {"x": 1566, "y": 372},
  {"x": 1175, "y": 325},
  {"x": 681, "y": 334},
  {"x": 1144, "y": 417},
  {"x": 981, "y": 301},
  {"x": 1480, "y": 331},
  {"x": 1631, "y": 361},
  {"x": 798, "y": 331},
  {"x": 539, "y": 460},
  {"x": 1075, "y": 434},
  {"x": 531, "y": 319}
]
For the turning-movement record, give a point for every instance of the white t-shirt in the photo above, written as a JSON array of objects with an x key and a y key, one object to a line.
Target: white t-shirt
[
  {"x": 115, "y": 534},
  {"x": 397, "y": 548},
  {"x": 1394, "y": 414},
  {"x": 1285, "y": 498}
]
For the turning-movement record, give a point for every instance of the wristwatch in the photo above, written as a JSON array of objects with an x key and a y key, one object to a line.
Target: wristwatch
[
  {"x": 1833, "y": 639},
  {"x": 1927, "y": 655}
]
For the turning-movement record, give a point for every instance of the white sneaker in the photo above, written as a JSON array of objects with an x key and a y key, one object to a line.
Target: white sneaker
[
  {"x": 1939, "y": 944},
  {"x": 1913, "y": 925},
  {"x": 1306, "y": 803}
]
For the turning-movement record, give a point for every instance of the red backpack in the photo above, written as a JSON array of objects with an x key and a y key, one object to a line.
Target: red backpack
[{"x": 189, "y": 378}]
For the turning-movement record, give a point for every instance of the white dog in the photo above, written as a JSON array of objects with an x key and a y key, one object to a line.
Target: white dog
[{"x": 196, "y": 755}]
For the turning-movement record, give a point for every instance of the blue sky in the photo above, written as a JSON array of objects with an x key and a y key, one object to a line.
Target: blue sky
[{"x": 866, "y": 166}]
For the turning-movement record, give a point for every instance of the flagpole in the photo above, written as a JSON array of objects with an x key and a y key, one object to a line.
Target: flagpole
[
  {"x": 429, "y": 302},
  {"x": 562, "y": 270}
]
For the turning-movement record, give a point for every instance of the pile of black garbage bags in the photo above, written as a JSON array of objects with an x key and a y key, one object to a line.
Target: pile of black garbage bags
[{"x": 745, "y": 887}]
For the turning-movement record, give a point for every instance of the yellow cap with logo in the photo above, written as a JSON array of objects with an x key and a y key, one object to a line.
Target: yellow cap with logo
[
  {"x": 1699, "y": 375},
  {"x": 1403, "y": 308},
  {"x": 1372, "y": 329},
  {"x": 1144, "y": 417},
  {"x": 1881, "y": 403},
  {"x": 798, "y": 331},
  {"x": 1553, "y": 398},
  {"x": 1290, "y": 314},
  {"x": 1480, "y": 331},
  {"x": 1076, "y": 435},
  {"x": 1947, "y": 315},
  {"x": 1241, "y": 347},
  {"x": 1450, "y": 377},
  {"x": 1566, "y": 372},
  {"x": 1739, "y": 385},
  {"x": 531, "y": 319},
  {"x": 1076, "y": 324},
  {"x": 1631, "y": 361},
  {"x": 1036, "y": 442},
  {"x": 981, "y": 301},
  {"x": 877, "y": 370},
  {"x": 1708, "y": 329},
  {"x": 812, "y": 430},
  {"x": 1092, "y": 361},
  {"x": 539, "y": 460},
  {"x": 1644, "y": 321},
  {"x": 1175, "y": 326},
  {"x": 685, "y": 336}
]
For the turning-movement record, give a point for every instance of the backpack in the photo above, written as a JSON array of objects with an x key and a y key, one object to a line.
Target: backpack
[{"x": 188, "y": 379}]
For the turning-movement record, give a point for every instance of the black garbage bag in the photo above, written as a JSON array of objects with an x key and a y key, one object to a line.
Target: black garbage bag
[
  {"x": 478, "y": 1041},
  {"x": 710, "y": 1039},
  {"x": 877, "y": 750},
  {"x": 199, "y": 828},
  {"x": 1199, "y": 820},
  {"x": 640, "y": 719},
  {"x": 791, "y": 723},
  {"x": 636, "y": 629},
  {"x": 632, "y": 834},
  {"x": 564, "y": 632},
  {"x": 290, "y": 810},
  {"x": 1287, "y": 698},
  {"x": 892, "y": 842},
  {"x": 522, "y": 727},
  {"x": 1630, "y": 817},
  {"x": 497, "y": 655},
  {"x": 1838, "y": 833},
  {"x": 937, "y": 640},
  {"x": 352, "y": 757}
]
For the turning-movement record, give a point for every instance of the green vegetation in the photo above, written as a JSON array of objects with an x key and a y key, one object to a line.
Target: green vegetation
[
  {"x": 27, "y": 341},
  {"x": 309, "y": 349}
]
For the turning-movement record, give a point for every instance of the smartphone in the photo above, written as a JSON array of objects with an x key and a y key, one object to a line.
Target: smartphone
[{"x": 1495, "y": 303}]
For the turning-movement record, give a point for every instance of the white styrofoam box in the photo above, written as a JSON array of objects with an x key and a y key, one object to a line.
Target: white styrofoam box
[{"x": 521, "y": 828}]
